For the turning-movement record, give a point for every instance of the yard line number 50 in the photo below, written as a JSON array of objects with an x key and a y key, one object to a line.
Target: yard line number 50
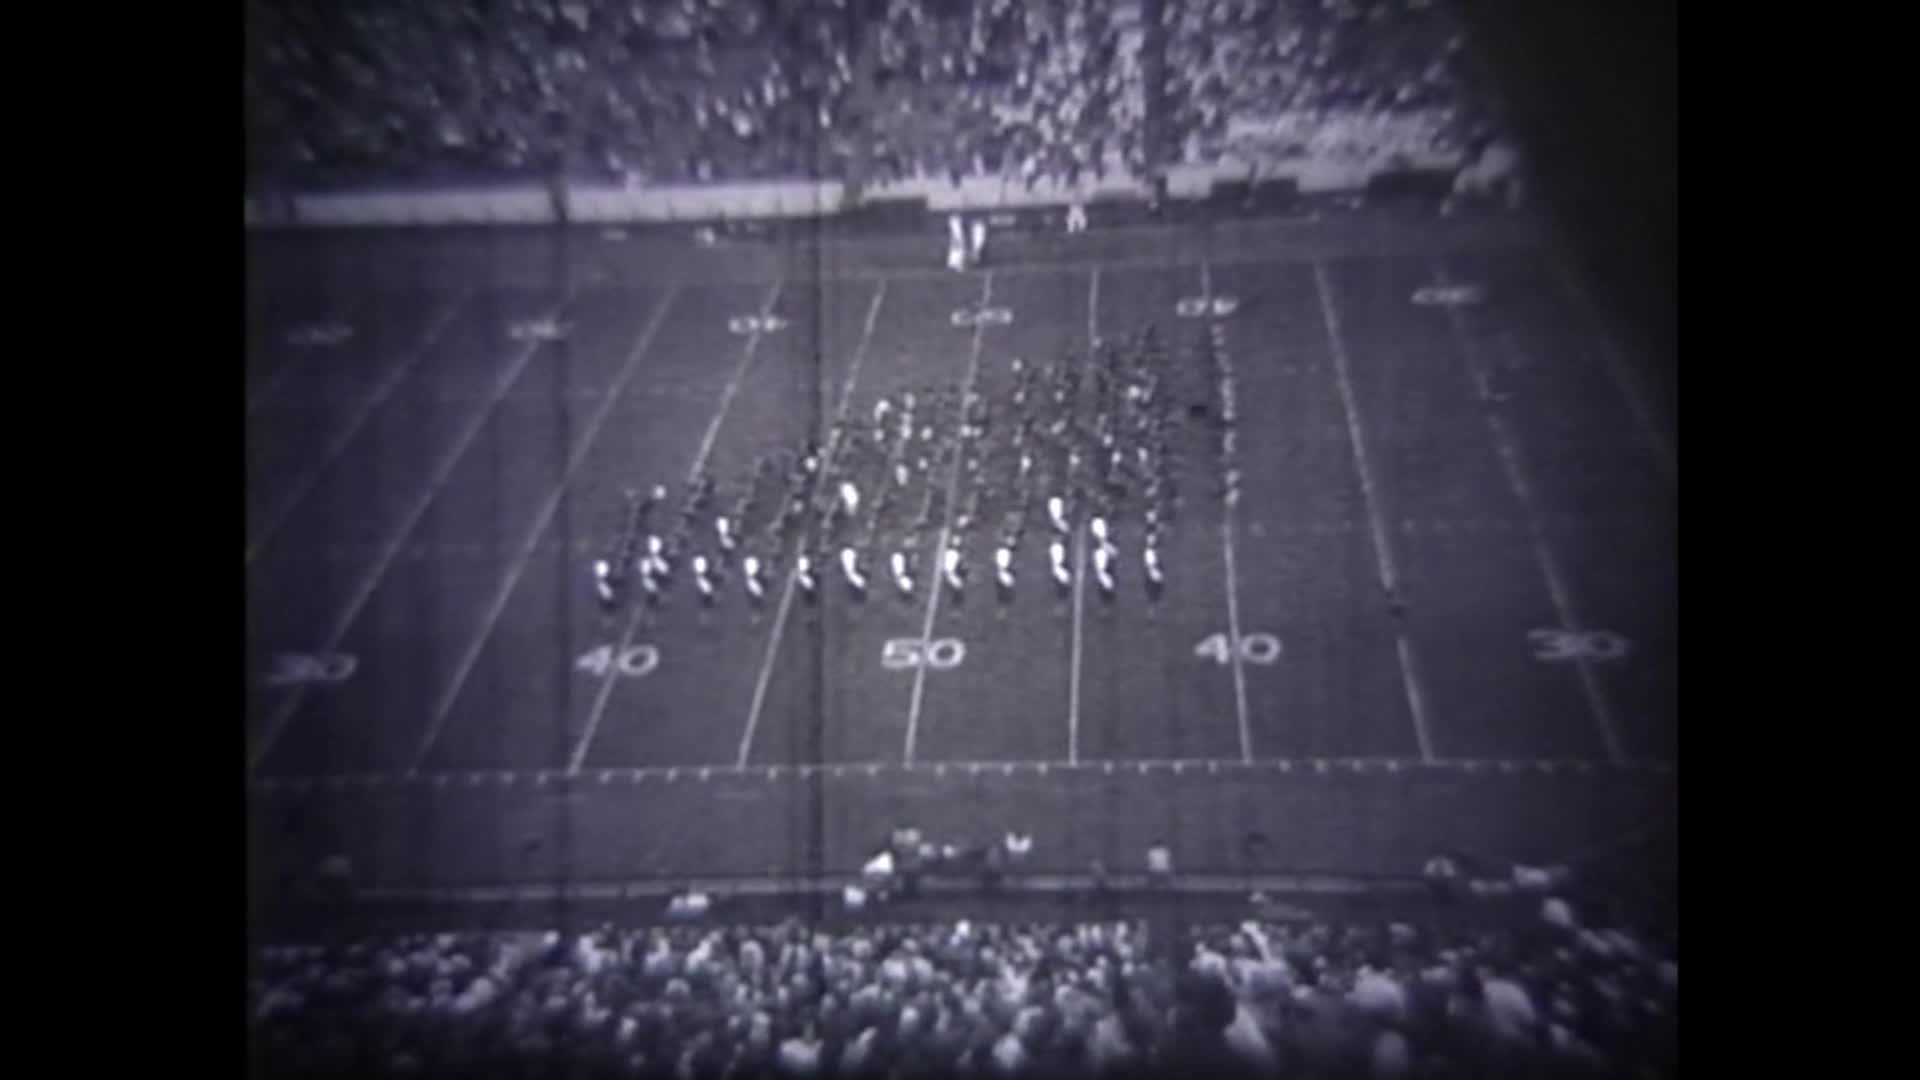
[{"x": 905, "y": 654}]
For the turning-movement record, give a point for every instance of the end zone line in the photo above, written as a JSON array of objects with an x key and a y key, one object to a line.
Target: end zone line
[
  {"x": 786, "y": 593},
  {"x": 1227, "y": 547},
  {"x": 607, "y": 681},
  {"x": 1382, "y": 540},
  {"x": 443, "y": 705},
  {"x": 1080, "y": 550},
  {"x": 946, "y": 526},
  {"x": 1506, "y": 446},
  {"x": 343, "y": 438},
  {"x": 363, "y": 592}
]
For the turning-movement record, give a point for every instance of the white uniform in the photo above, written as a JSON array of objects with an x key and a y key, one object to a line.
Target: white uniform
[
  {"x": 724, "y": 529},
  {"x": 950, "y": 567},
  {"x": 850, "y": 567},
  {"x": 1076, "y": 218},
  {"x": 1057, "y": 512},
  {"x": 1150, "y": 561},
  {"x": 701, "y": 580},
  {"x": 602, "y": 581},
  {"x": 902, "y": 579},
  {"x": 979, "y": 247},
  {"x": 1103, "y": 568},
  {"x": 849, "y": 497},
  {"x": 803, "y": 573},
  {"x": 1003, "y": 567},
  {"x": 750, "y": 577},
  {"x": 1062, "y": 576},
  {"x": 1098, "y": 526}
]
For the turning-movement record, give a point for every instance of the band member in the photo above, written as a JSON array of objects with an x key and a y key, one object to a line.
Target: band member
[
  {"x": 603, "y": 585},
  {"x": 850, "y": 569}
]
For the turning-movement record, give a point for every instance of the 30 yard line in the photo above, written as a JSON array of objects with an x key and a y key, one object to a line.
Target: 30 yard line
[
  {"x": 1507, "y": 448},
  {"x": 946, "y": 528},
  {"x": 607, "y": 681},
  {"x": 826, "y": 461},
  {"x": 1080, "y": 548},
  {"x": 363, "y": 592},
  {"x": 299, "y": 490},
  {"x": 443, "y": 705},
  {"x": 1227, "y": 547},
  {"x": 1382, "y": 540}
]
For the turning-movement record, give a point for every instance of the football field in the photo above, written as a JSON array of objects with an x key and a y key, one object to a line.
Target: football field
[{"x": 1441, "y": 613}]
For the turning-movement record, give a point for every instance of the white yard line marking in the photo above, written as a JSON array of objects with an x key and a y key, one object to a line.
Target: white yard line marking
[
  {"x": 607, "y": 682},
  {"x": 1080, "y": 550},
  {"x": 363, "y": 592},
  {"x": 1233, "y": 572},
  {"x": 827, "y": 452},
  {"x": 946, "y": 526},
  {"x": 1506, "y": 446},
  {"x": 1382, "y": 540},
  {"x": 269, "y": 388},
  {"x": 443, "y": 705},
  {"x": 1617, "y": 370},
  {"x": 338, "y": 445}
]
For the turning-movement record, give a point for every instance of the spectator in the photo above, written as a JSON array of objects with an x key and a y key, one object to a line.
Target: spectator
[{"x": 1159, "y": 865}]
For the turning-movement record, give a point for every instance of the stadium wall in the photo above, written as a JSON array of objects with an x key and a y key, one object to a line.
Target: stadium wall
[{"x": 605, "y": 204}]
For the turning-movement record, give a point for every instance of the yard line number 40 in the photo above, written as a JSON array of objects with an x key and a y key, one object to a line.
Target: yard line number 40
[
  {"x": 1253, "y": 648},
  {"x": 634, "y": 662}
]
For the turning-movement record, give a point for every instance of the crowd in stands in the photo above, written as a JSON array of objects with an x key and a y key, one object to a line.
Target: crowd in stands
[
  {"x": 671, "y": 91},
  {"x": 1366, "y": 80},
  {"x": 1547, "y": 996}
]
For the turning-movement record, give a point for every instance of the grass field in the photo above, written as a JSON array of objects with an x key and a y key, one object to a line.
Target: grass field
[{"x": 424, "y": 498}]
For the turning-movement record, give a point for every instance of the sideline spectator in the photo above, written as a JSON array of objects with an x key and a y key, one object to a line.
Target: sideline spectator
[{"x": 1010, "y": 1000}]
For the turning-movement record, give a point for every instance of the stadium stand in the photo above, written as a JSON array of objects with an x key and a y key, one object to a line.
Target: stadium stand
[
  {"x": 1091, "y": 998},
  {"x": 1265, "y": 81},
  {"x": 873, "y": 91}
]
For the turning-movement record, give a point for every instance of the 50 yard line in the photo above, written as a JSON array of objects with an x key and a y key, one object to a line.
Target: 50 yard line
[
  {"x": 946, "y": 527},
  {"x": 826, "y": 463},
  {"x": 605, "y": 692},
  {"x": 1080, "y": 550}
]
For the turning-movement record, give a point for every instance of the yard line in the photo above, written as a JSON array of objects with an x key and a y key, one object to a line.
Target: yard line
[
  {"x": 1227, "y": 546},
  {"x": 443, "y": 705},
  {"x": 1382, "y": 539},
  {"x": 946, "y": 526},
  {"x": 1080, "y": 548},
  {"x": 296, "y": 492},
  {"x": 364, "y": 591},
  {"x": 270, "y": 387},
  {"x": 1505, "y": 445},
  {"x": 1616, "y": 365},
  {"x": 826, "y": 462},
  {"x": 605, "y": 693}
]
